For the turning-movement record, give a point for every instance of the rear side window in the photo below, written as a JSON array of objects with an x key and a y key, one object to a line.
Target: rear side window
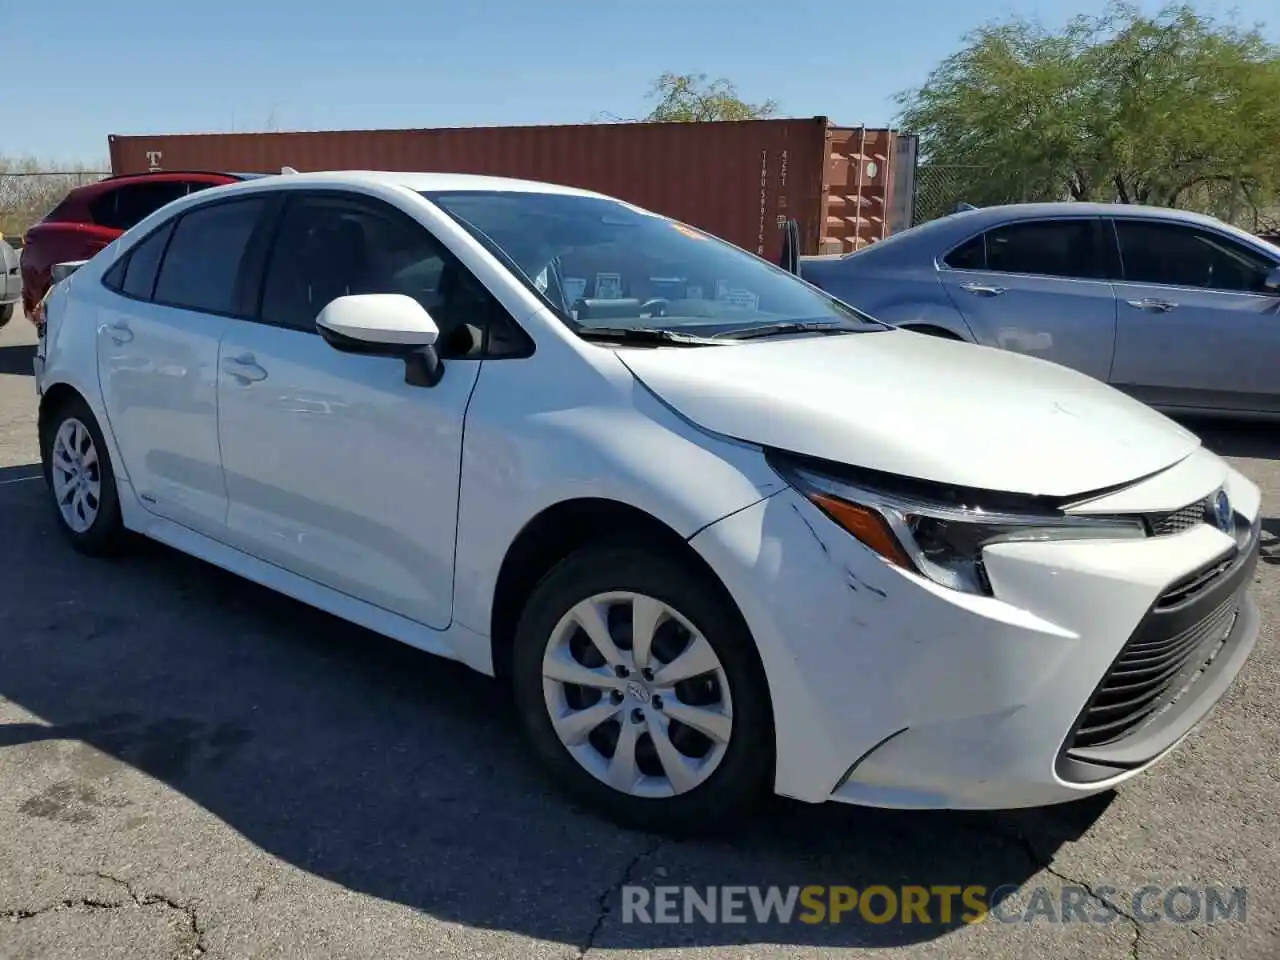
[
  {"x": 131, "y": 203},
  {"x": 140, "y": 272},
  {"x": 202, "y": 265},
  {"x": 970, "y": 255},
  {"x": 1048, "y": 248},
  {"x": 64, "y": 211}
]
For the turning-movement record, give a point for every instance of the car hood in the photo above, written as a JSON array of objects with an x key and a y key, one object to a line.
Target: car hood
[{"x": 919, "y": 407}]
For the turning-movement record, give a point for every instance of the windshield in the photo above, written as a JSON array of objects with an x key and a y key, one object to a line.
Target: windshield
[{"x": 602, "y": 263}]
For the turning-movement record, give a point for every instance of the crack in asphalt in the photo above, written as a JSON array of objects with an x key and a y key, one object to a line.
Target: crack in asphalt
[
  {"x": 613, "y": 889},
  {"x": 191, "y": 945},
  {"x": 1046, "y": 864}
]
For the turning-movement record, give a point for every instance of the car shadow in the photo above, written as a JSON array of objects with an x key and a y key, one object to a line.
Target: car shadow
[
  {"x": 17, "y": 358},
  {"x": 402, "y": 776},
  {"x": 1236, "y": 438}
]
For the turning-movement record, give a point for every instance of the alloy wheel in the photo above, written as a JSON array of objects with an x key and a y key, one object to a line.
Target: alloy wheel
[
  {"x": 637, "y": 695},
  {"x": 76, "y": 475}
]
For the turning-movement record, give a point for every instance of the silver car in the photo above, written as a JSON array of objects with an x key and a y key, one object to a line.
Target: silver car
[
  {"x": 1180, "y": 310},
  {"x": 10, "y": 282}
]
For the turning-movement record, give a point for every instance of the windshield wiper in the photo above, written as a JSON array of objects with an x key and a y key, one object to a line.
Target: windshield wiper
[
  {"x": 789, "y": 326},
  {"x": 646, "y": 335}
]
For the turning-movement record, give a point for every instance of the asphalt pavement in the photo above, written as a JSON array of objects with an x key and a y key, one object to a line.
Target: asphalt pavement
[{"x": 193, "y": 766}]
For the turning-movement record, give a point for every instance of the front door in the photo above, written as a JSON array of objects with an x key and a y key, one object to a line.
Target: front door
[
  {"x": 336, "y": 468},
  {"x": 1198, "y": 327},
  {"x": 158, "y": 338},
  {"x": 1038, "y": 287}
]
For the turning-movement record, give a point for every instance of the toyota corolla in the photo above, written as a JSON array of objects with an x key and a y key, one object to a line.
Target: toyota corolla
[{"x": 717, "y": 533}]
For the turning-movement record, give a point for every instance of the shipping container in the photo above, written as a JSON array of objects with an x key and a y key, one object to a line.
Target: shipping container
[{"x": 740, "y": 180}]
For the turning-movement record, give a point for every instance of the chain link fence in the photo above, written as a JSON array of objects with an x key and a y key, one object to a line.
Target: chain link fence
[
  {"x": 26, "y": 197},
  {"x": 940, "y": 188}
]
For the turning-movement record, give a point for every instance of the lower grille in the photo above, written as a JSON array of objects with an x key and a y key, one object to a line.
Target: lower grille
[
  {"x": 1150, "y": 675},
  {"x": 1171, "y": 671}
]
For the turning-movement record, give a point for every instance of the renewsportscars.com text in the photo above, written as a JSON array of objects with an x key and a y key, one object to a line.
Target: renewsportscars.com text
[{"x": 941, "y": 904}]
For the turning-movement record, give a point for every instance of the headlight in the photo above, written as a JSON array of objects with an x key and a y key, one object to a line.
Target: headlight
[{"x": 939, "y": 539}]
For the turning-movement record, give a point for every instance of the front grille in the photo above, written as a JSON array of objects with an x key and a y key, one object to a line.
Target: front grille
[
  {"x": 1151, "y": 674},
  {"x": 1176, "y": 521}
]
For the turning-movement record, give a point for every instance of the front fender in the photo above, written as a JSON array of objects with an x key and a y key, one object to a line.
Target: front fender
[{"x": 533, "y": 442}]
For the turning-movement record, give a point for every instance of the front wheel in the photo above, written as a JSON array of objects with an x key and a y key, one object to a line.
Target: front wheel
[
  {"x": 6, "y": 313},
  {"x": 642, "y": 691},
  {"x": 77, "y": 471}
]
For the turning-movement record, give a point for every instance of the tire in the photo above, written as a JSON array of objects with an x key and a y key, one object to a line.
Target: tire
[
  {"x": 725, "y": 779},
  {"x": 6, "y": 313},
  {"x": 73, "y": 425}
]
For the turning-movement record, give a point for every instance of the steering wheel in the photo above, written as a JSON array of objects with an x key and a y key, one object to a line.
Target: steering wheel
[{"x": 657, "y": 307}]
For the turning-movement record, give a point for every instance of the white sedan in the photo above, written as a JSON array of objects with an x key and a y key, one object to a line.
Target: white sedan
[{"x": 716, "y": 532}]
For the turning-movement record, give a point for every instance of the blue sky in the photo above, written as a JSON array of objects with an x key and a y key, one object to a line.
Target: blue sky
[{"x": 80, "y": 69}]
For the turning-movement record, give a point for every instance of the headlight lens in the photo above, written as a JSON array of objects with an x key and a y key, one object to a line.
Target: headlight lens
[{"x": 940, "y": 540}]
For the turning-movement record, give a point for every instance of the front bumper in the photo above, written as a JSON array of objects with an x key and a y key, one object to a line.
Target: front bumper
[{"x": 889, "y": 690}]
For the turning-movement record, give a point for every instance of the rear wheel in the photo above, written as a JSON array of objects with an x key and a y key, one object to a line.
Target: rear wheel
[
  {"x": 642, "y": 692},
  {"x": 6, "y": 314},
  {"x": 77, "y": 470}
]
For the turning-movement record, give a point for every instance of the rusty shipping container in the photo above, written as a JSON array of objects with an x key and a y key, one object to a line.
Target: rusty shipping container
[{"x": 845, "y": 186}]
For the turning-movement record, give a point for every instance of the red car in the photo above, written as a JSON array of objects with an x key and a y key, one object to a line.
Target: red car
[{"x": 90, "y": 217}]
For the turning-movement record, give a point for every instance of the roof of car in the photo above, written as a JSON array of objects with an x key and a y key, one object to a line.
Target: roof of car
[
  {"x": 1022, "y": 211},
  {"x": 935, "y": 235},
  {"x": 428, "y": 182}
]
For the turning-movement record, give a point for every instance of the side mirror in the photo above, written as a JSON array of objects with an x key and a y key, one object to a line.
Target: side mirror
[
  {"x": 385, "y": 325},
  {"x": 1272, "y": 282}
]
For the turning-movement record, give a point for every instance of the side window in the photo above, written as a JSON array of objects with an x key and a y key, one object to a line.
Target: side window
[
  {"x": 102, "y": 208},
  {"x": 1173, "y": 255},
  {"x": 130, "y": 203},
  {"x": 201, "y": 268},
  {"x": 1047, "y": 248},
  {"x": 331, "y": 246},
  {"x": 144, "y": 260},
  {"x": 970, "y": 255}
]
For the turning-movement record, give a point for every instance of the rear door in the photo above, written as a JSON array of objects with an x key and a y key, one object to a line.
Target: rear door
[
  {"x": 176, "y": 292},
  {"x": 1198, "y": 328},
  {"x": 1038, "y": 287}
]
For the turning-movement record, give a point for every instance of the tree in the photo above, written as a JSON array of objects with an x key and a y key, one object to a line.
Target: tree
[
  {"x": 30, "y": 188},
  {"x": 1175, "y": 109},
  {"x": 689, "y": 97}
]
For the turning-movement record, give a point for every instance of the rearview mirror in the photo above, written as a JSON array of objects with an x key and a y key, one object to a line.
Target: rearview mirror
[
  {"x": 1272, "y": 282},
  {"x": 385, "y": 325}
]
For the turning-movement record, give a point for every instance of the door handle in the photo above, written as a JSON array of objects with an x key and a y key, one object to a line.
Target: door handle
[
  {"x": 981, "y": 289},
  {"x": 244, "y": 368},
  {"x": 1152, "y": 304},
  {"x": 119, "y": 333}
]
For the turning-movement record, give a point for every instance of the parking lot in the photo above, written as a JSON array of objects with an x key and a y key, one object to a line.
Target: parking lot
[{"x": 193, "y": 766}]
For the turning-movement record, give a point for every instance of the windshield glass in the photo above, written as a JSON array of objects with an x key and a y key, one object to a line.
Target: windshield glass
[{"x": 604, "y": 263}]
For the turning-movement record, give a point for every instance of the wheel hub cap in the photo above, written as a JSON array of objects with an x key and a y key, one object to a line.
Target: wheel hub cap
[
  {"x": 638, "y": 692},
  {"x": 637, "y": 695},
  {"x": 76, "y": 475}
]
